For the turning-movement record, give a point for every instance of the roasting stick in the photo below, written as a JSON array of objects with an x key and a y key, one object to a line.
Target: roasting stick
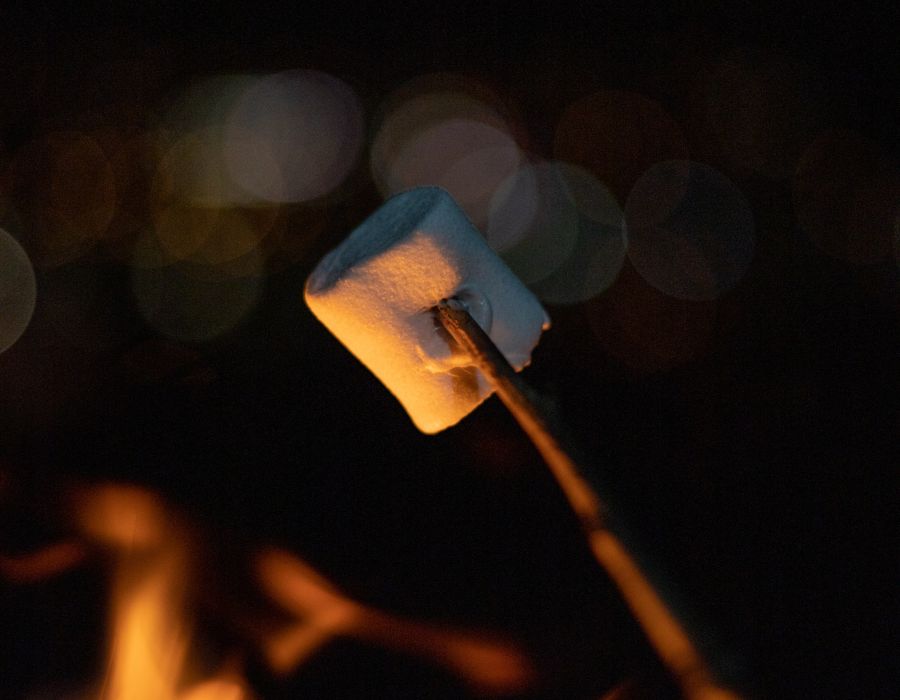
[
  {"x": 376, "y": 292},
  {"x": 663, "y": 630}
]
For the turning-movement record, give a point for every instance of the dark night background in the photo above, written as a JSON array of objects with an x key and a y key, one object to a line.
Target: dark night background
[{"x": 746, "y": 444}]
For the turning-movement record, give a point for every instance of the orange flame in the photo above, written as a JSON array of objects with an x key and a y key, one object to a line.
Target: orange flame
[
  {"x": 150, "y": 631},
  {"x": 489, "y": 665},
  {"x": 123, "y": 516},
  {"x": 149, "y": 640},
  {"x": 46, "y": 562}
]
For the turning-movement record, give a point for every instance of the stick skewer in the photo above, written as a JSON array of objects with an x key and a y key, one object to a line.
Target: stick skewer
[{"x": 665, "y": 633}]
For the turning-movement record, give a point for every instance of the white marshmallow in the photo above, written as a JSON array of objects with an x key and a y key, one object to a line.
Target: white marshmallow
[{"x": 376, "y": 290}]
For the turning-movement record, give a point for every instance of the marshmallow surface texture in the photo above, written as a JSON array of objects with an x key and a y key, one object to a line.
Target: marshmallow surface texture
[{"x": 377, "y": 290}]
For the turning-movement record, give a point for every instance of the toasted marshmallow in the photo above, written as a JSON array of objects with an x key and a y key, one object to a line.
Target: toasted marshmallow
[{"x": 376, "y": 292}]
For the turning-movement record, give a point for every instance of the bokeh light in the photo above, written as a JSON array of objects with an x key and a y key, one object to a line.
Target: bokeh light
[
  {"x": 191, "y": 140},
  {"x": 648, "y": 331},
  {"x": 599, "y": 250},
  {"x": 534, "y": 246},
  {"x": 192, "y": 171},
  {"x": 196, "y": 214},
  {"x": 228, "y": 153},
  {"x": 846, "y": 195},
  {"x": 134, "y": 157},
  {"x": 513, "y": 209},
  {"x": 194, "y": 302},
  {"x": 64, "y": 190},
  {"x": 616, "y": 136},
  {"x": 293, "y": 136},
  {"x": 434, "y": 132},
  {"x": 18, "y": 291},
  {"x": 690, "y": 230},
  {"x": 756, "y": 109}
]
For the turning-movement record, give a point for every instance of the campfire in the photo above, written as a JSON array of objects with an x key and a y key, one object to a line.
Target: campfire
[
  {"x": 447, "y": 354},
  {"x": 152, "y": 554}
]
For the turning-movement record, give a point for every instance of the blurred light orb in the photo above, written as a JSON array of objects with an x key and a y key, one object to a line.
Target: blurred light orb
[
  {"x": 238, "y": 233},
  {"x": 204, "y": 234},
  {"x": 533, "y": 221},
  {"x": 195, "y": 302},
  {"x": 18, "y": 291},
  {"x": 646, "y": 330},
  {"x": 293, "y": 136},
  {"x": 207, "y": 103},
  {"x": 133, "y": 159},
  {"x": 196, "y": 211},
  {"x": 616, "y": 136},
  {"x": 757, "y": 109},
  {"x": 192, "y": 171},
  {"x": 846, "y": 195},
  {"x": 181, "y": 231},
  {"x": 82, "y": 187},
  {"x": 690, "y": 230},
  {"x": 467, "y": 158},
  {"x": 513, "y": 208},
  {"x": 191, "y": 141},
  {"x": 599, "y": 251},
  {"x": 64, "y": 190},
  {"x": 435, "y": 133}
]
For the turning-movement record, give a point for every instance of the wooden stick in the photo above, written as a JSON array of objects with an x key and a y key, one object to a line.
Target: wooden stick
[{"x": 663, "y": 630}]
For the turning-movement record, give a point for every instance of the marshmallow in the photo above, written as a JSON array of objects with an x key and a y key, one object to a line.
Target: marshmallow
[{"x": 376, "y": 292}]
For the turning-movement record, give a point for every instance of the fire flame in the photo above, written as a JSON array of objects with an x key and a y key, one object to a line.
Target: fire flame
[
  {"x": 488, "y": 665},
  {"x": 39, "y": 565},
  {"x": 149, "y": 640},
  {"x": 151, "y": 650},
  {"x": 150, "y": 631}
]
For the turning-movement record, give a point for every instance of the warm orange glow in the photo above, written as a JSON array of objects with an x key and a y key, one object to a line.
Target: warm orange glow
[
  {"x": 324, "y": 612},
  {"x": 35, "y": 566},
  {"x": 290, "y": 648},
  {"x": 488, "y": 665},
  {"x": 149, "y": 636},
  {"x": 226, "y": 687},
  {"x": 151, "y": 652},
  {"x": 623, "y": 691},
  {"x": 151, "y": 627},
  {"x": 300, "y": 589},
  {"x": 121, "y": 515}
]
